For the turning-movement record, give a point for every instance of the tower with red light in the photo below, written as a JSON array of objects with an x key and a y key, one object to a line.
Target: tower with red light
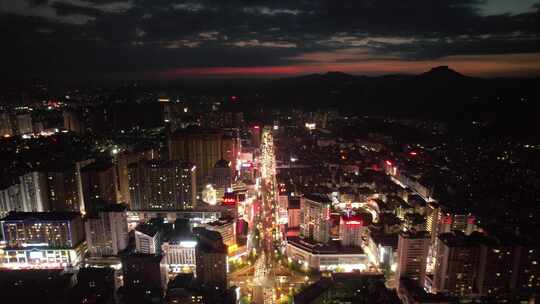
[
  {"x": 351, "y": 230},
  {"x": 256, "y": 135}
]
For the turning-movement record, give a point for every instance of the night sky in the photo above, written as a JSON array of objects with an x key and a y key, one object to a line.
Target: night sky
[{"x": 162, "y": 39}]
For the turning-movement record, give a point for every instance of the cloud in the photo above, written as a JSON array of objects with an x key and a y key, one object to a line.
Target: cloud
[
  {"x": 24, "y": 8},
  {"x": 209, "y": 35},
  {"x": 181, "y": 44},
  {"x": 77, "y": 12},
  {"x": 498, "y": 7},
  {"x": 264, "y": 10},
  {"x": 189, "y": 6},
  {"x": 268, "y": 44},
  {"x": 107, "y": 7}
]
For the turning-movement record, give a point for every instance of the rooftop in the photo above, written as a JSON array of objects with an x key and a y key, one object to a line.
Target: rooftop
[
  {"x": 147, "y": 229},
  {"x": 318, "y": 197},
  {"x": 333, "y": 247},
  {"x": 41, "y": 216},
  {"x": 459, "y": 239},
  {"x": 313, "y": 291},
  {"x": 98, "y": 166},
  {"x": 222, "y": 164},
  {"x": 207, "y": 234},
  {"x": 416, "y": 234},
  {"x": 420, "y": 295},
  {"x": 294, "y": 203}
]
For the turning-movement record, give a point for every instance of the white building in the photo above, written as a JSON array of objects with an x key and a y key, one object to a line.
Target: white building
[
  {"x": 147, "y": 239},
  {"x": 327, "y": 257},
  {"x": 27, "y": 194},
  {"x": 314, "y": 217},
  {"x": 226, "y": 228},
  {"x": 180, "y": 255},
  {"x": 107, "y": 231}
]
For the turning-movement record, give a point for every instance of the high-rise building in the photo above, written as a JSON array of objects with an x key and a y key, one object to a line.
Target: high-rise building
[
  {"x": 231, "y": 147},
  {"x": 256, "y": 136},
  {"x": 293, "y": 213},
  {"x": 526, "y": 274},
  {"x": 27, "y": 194},
  {"x": 148, "y": 239},
  {"x": 99, "y": 183},
  {"x": 107, "y": 230},
  {"x": 74, "y": 121},
  {"x": 211, "y": 258},
  {"x": 456, "y": 264},
  {"x": 221, "y": 175},
  {"x": 180, "y": 253},
  {"x": 145, "y": 273},
  {"x": 24, "y": 123},
  {"x": 123, "y": 160},
  {"x": 6, "y": 128},
  {"x": 162, "y": 185},
  {"x": 42, "y": 239},
  {"x": 78, "y": 167},
  {"x": 315, "y": 216},
  {"x": 202, "y": 147},
  {"x": 63, "y": 188},
  {"x": 34, "y": 190},
  {"x": 479, "y": 265},
  {"x": 352, "y": 229},
  {"x": 226, "y": 228},
  {"x": 412, "y": 255}
]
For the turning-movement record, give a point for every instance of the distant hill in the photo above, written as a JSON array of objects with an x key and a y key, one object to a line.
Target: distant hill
[
  {"x": 438, "y": 94},
  {"x": 442, "y": 73}
]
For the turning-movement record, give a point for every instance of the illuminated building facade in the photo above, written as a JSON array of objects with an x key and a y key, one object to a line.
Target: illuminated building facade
[
  {"x": 211, "y": 257},
  {"x": 124, "y": 159},
  {"x": 63, "y": 188},
  {"x": 6, "y": 128},
  {"x": 201, "y": 147},
  {"x": 147, "y": 239},
  {"x": 180, "y": 255},
  {"x": 412, "y": 255},
  {"x": 99, "y": 183},
  {"x": 24, "y": 123},
  {"x": 479, "y": 265},
  {"x": 42, "y": 240},
  {"x": 28, "y": 194},
  {"x": 162, "y": 185},
  {"x": 74, "y": 121},
  {"x": 293, "y": 213},
  {"x": 326, "y": 257},
  {"x": 107, "y": 231},
  {"x": 456, "y": 265},
  {"x": 227, "y": 230},
  {"x": 351, "y": 230},
  {"x": 221, "y": 175},
  {"x": 145, "y": 273},
  {"x": 314, "y": 216},
  {"x": 256, "y": 136},
  {"x": 231, "y": 148}
]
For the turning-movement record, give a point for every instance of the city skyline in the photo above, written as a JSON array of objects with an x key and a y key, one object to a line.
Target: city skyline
[{"x": 270, "y": 151}]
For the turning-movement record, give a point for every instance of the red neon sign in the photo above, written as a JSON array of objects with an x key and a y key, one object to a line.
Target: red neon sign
[
  {"x": 354, "y": 223},
  {"x": 447, "y": 220}
]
